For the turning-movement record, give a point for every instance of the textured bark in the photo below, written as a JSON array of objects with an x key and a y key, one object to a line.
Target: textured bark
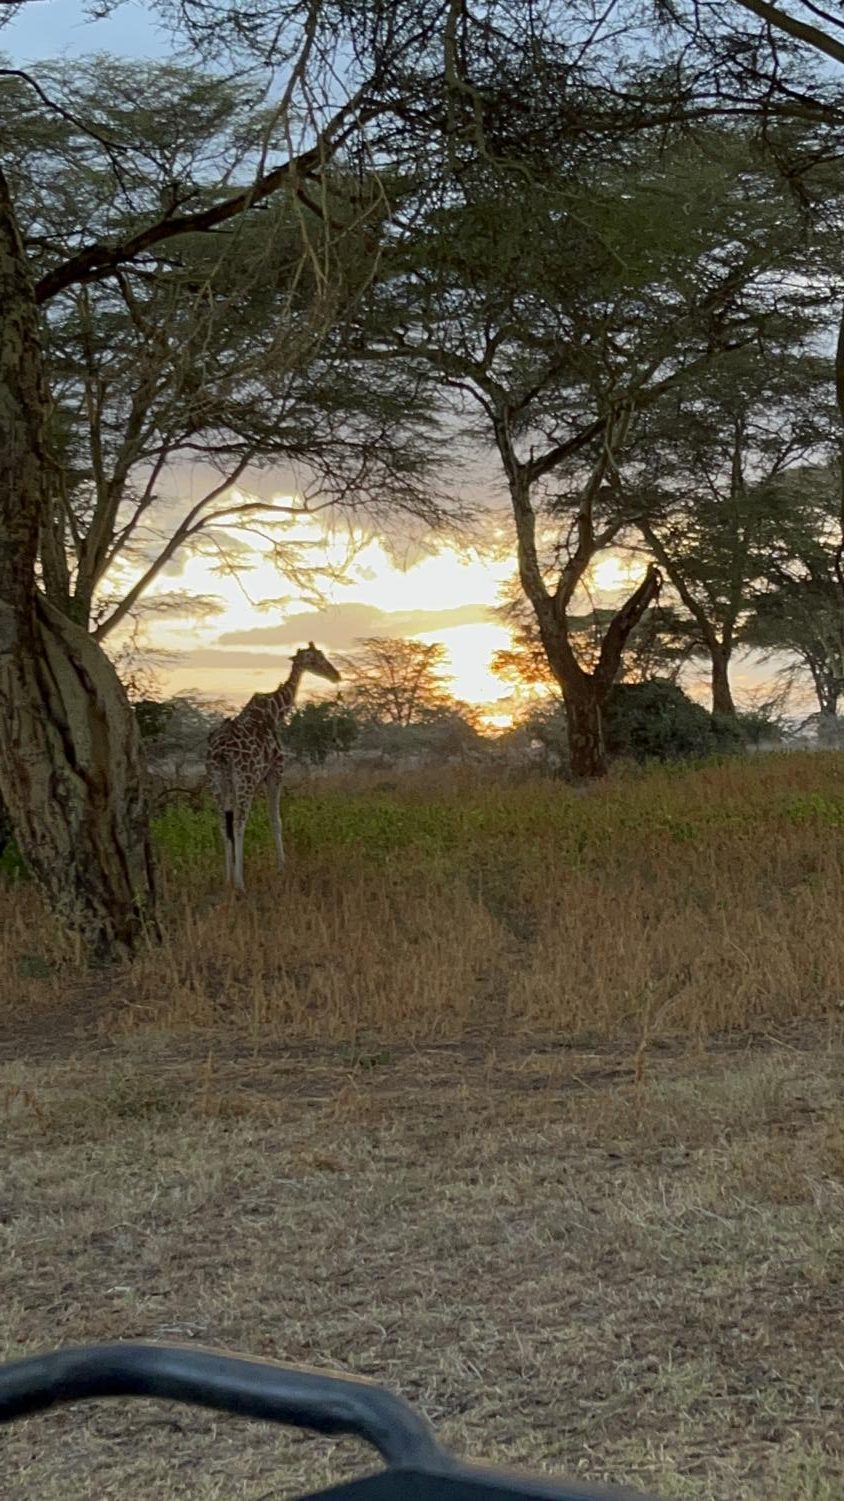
[
  {"x": 72, "y": 779},
  {"x": 584, "y": 693},
  {"x": 70, "y": 767},
  {"x": 587, "y": 755},
  {"x": 722, "y": 694}
]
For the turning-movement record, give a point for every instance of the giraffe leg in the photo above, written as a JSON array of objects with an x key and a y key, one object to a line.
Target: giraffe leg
[
  {"x": 228, "y": 844},
  {"x": 219, "y": 793},
  {"x": 273, "y": 786},
  {"x": 239, "y": 831}
]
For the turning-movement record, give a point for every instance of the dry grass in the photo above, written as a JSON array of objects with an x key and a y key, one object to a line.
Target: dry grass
[
  {"x": 655, "y": 905},
  {"x": 565, "y": 1271},
  {"x": 528, "y": 1104}
]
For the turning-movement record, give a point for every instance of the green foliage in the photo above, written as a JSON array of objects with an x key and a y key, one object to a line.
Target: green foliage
[
  {"x": 728, "y": 733},
  {"x": 176, "y": 728},
  {"x": 228, "y": 343},
  {"x": 760, "y": 726},
  {"x": 448, "y": 733},
  {"x": 651, "y": 721},
  {"x": 186, "y": 836},
  {"x": 477, "y": 829},
  {"x": 658, "y": 721},
  {"x": 823, "y": 808},
  {"x": 316, "y": 730},
  {"x": 798, "y": 605}
]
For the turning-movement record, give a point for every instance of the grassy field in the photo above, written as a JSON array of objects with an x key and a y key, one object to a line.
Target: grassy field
[{"x": 525, "y": 1101}]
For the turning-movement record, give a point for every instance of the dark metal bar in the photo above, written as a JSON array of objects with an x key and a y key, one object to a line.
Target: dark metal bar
[
  {"x": 228, "y": 1383},
  {"x": 465, "y": 1483},
  {"x": 419, "y": 1469}
]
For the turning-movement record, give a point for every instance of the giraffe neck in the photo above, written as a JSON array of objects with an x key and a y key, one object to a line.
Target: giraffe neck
[{"x": 284, "y": 696}]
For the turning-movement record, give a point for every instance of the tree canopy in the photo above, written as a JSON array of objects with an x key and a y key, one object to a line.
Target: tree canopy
[{"x": 336, "y": 235}]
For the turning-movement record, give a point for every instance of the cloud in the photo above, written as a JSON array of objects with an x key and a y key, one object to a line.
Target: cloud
[
  {"x": 226, "y": 661},
  {"x": 337, "y": 626}
]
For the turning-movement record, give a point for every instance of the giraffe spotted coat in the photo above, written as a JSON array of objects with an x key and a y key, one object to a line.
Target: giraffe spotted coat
[{"x": 245, "y": 755}]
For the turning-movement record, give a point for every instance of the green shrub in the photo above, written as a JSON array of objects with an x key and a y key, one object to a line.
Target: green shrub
[
  {"x": 729, "y": 734},
  {"x": 760, "y": 725},
  {"x": 315, "y": 730},
  {"x": 658, "y": 721},
  {"x": 153, "y": 716}
]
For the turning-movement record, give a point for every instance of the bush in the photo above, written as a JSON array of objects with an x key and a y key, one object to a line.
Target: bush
[
  {"x": 546, "y": 727},
  {"x": 175, "y": 729},
  {"x": 315, "y": 730},
  {"x": 730, "y": 733},
  {"x": 441, "y": 737},
  {"x": 658, "y": 721},
  {"x": 153, "y": 716},
  {"x": 762, "y": 724},
  {"x": 829, "y": 729}
]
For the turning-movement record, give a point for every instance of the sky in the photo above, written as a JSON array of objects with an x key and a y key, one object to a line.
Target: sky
[
  {"x": 58, "y": 28},
  {"x": 444, "y": 594},
  {"x": 243, "y": 644}
]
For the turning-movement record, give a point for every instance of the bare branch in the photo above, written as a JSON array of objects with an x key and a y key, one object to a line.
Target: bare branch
[{"x": 802, "y": 31}]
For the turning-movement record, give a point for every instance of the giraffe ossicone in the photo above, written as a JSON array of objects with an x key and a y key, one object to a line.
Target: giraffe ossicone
[{"x": 245, "y": 754}]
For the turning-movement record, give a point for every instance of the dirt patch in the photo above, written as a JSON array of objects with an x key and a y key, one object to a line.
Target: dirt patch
[{"x": 566, "y": 1270}]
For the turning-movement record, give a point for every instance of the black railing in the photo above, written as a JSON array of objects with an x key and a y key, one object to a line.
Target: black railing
[{"x": 418, "y": 1469}]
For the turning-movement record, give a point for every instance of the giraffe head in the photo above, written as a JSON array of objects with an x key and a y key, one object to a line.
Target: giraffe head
[{"x": 310, "y": 659}]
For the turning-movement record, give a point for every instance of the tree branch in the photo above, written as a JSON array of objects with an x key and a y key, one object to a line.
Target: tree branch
[
  {"x": 98, "y": 260},
  {"x": 623, "y": 624},
  {"x": 800, "y": 30}
]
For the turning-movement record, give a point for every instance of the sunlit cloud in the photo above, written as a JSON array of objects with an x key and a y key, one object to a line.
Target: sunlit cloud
[
  {"x": 352, "y": 584},
  {"x": 338, "y": 625}
]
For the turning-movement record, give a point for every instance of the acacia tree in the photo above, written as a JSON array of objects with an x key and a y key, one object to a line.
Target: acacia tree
[
  {"x": 396, "y": 680},
  {"x": 803, "y": 616},
  {"x": 70, "y": 771},
  {"x": 712, "y": 514},
  {"x": 558, "y": 309},
  {"x": 714, "y": 23},
  {"x": 798, "y": 604},
  {"x": 659, "y": 646},
  {"x": 224, "y": 353},
  {"x": 763, "y": 55}
]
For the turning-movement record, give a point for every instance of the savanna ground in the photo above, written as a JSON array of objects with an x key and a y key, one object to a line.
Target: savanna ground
[{"x": 525, "y": 1102}]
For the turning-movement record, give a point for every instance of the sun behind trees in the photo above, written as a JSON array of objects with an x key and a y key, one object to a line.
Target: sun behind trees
[
  {"x": 393, "y": 680},
  {"x": 564, "y": 230}
]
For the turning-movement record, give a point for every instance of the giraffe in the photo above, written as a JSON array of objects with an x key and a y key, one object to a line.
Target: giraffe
[{"x": 244, "y": 754}]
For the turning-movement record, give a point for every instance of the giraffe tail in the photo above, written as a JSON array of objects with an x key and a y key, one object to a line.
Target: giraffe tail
[{"x": 230, "y": 827}]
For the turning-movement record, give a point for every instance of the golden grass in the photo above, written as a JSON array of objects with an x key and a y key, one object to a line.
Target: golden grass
[{"x": 658, "y": 904}]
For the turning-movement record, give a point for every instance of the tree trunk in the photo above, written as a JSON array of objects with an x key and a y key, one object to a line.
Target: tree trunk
[
  {"x": 72, "y": 779},
  {"x": 722, "y": 695},
  {"x": 70, "y": 767},
  {"x": 587, "y": 755},
  {"x": 828, "y": 691}
]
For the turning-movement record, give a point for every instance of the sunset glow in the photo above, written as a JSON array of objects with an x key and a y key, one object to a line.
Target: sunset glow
[
  {"x": 614, "y": 573},
  {"x": 357, "y": 580},
  {"x": 354, "y": 587}
]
